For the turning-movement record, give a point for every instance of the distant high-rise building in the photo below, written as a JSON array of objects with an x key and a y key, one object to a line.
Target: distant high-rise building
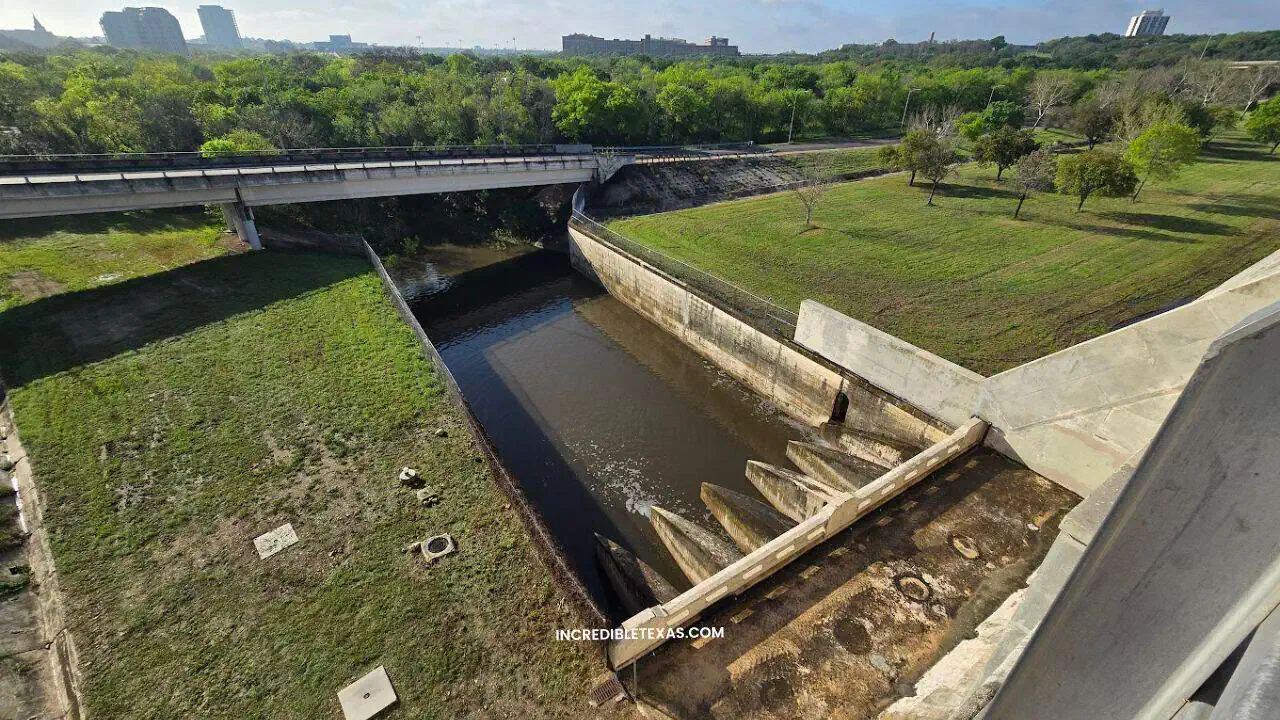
[
  {"x": 220, "y": 30},
  {"x": 1147, "y": 22},
  {"x": 149, "y": 28}
]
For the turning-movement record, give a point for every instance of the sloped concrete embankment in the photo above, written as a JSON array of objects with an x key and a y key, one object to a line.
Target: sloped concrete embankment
[{"x": 642, "y": 189}]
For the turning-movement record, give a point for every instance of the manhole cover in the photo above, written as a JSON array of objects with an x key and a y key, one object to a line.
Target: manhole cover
[{"x": 434, "y": 548}]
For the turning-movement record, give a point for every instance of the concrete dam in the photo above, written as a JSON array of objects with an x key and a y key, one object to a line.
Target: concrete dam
[{"x": 692, "y": 466}]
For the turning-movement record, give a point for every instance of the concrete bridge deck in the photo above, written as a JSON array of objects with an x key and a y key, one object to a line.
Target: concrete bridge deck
[{"x": 41, "y": 194}]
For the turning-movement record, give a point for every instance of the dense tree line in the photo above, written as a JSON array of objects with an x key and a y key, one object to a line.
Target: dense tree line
[
  {"x": 119, "y": 101},
  {"x": 1087, "y": 52}
]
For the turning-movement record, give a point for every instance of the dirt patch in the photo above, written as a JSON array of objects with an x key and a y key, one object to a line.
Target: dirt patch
[{"x": 31, "y": 285}]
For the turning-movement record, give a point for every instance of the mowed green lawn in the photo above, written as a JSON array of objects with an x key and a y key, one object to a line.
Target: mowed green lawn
[
  {"x": 967, "y": 281},
  {"x": 45, "y": 256},
  {"x": 171, "y": 418}
]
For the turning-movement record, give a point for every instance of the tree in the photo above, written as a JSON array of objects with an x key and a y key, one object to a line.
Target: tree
[
  {"x": 1162, "y": 151},
  {"x": 815, "y": 178},
  {"x": 971, "y": 126},
  {"x": 1224, "y": 118},
  {"x": 238, "y": 142},
  {"x": 1136, "y": 117},
  {"x": 1093, "y": 121},
  {"x": 1263, "y": 124},
  {"x": 934, "y": 160},
  {"x": 1100, "y": 172},
  {"x": 1047, "y": 91},
  {"x": 1210, "y": 81},
  {"x": 1003, "y": 148},
  {"x": 1035, "y": 171},
  {"x": 1260, "y": 78},
  {"x": 1198, "y": 117},
  {"x": 1003, "y": 113},
  {"x": 915, "y": 145}
]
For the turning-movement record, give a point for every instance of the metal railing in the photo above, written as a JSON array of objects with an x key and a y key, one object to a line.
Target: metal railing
[
  {"x": 53, "y": 163},
  {"x": 762, "y": 314}
]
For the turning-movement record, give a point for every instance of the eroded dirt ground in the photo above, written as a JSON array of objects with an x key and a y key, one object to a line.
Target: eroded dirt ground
[{"x": 849, "y": 627}]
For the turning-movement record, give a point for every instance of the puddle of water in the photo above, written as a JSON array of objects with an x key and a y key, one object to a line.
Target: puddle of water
[{"x": 598, "y": 413}]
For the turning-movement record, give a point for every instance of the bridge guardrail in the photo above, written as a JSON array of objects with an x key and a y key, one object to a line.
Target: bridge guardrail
[
  {"x": 760, "y": 313},
  {"x": 53, "y": 163}
]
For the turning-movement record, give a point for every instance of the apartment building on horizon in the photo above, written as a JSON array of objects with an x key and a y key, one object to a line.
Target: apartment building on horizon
[
  {"x": 582, "y": 44},
  {"x": 148, "y": 28},
  {"x": 220, "y": 29}
]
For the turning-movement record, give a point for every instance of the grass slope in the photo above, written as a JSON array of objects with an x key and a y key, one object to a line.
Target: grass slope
[
  {"x": 172, "y": 418},
  {"x": 44, "y": 256},
  {"x": 968, "y": 282}
]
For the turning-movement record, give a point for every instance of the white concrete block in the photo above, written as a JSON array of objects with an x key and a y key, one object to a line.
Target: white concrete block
[
  {"x": 368, "y": 696},
  {"x": 272, "y": 542}
]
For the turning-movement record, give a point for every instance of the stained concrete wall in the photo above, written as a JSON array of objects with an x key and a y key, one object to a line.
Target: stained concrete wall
[
  {"x": 1078, "y": 415},
  {"x": 800, "y": 386},
  {"x": 937, "y": 386}
]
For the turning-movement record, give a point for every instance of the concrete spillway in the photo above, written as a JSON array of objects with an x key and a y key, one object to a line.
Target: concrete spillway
[
  {"x": 748, "y": 521},
  {"x": 698, "y": 552}
]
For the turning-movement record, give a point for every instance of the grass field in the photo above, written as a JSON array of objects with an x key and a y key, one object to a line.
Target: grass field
[
  {"x": 968, "y": 282},
  {"x": 839, "y": 162},
  {"x": 173, "y": 417},
  {"x": 45, "y": 256}
]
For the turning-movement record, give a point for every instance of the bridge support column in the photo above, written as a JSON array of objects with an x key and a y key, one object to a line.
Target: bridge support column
[{"x": 240, "y": 221}]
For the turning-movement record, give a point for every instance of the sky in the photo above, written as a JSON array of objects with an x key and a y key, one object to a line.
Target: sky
[{"x": 756, "y": 26}]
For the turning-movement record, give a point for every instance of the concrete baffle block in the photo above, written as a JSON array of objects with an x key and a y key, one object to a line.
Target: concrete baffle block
[
  {"x": 837, "y": 469},
  {"x": 748, "y": 521},
  {"x": 368, "y": 696},
  {"x": 698, "y": 552}
]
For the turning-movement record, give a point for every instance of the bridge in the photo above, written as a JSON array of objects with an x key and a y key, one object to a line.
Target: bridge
[{"x": 37, "y": 186}]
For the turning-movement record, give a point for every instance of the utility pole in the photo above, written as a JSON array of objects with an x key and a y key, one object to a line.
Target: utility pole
[{"x": 907, "y": 104}]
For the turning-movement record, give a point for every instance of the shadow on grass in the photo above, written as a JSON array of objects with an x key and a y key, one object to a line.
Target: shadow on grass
[
  {"x": 1172, "y": 223},
  {"x": 61, "y": 332},
  {"x": 1255, "y": 206},
  {"x": 134, "y": 222},
  {"x": 946, "y": 190},
  {"x": 1083, "y": 225},
  {"x": 1221, "y": 152}
]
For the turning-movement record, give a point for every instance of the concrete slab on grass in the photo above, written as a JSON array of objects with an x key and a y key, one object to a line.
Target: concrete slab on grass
[
  {"x": 270, "y": 543},
  {"x": 367, "y": 696}
]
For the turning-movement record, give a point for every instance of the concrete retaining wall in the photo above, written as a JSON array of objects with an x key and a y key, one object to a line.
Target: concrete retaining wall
[
  {"x": 800, "y": 386},
  {"x": 937, "y": 386},
  {"x": 1078, "y": 415}
]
